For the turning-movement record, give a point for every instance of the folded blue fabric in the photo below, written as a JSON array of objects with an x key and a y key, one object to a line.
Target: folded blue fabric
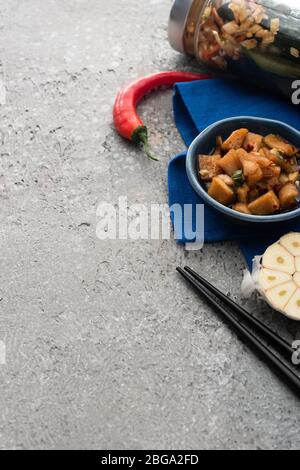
[{"x": 198, "y": 105}]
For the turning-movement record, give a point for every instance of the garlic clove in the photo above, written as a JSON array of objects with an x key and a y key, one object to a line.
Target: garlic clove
[
  {"x": 279, "y": 296},
  {"x": 297, "y": 263},
  {"x": 269, "y": 278},
  {"x": 296, "y": 278},
  {"x": 278, "y": 258},
  {"x": 291, "y": 242},
  {"x": 292, "y": 309}
]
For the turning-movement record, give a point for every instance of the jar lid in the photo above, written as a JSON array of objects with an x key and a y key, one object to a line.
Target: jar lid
[{"x": 177, "y": 23}]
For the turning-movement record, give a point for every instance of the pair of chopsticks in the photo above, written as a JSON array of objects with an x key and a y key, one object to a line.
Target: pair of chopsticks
[{"x": 240, "y": 319}]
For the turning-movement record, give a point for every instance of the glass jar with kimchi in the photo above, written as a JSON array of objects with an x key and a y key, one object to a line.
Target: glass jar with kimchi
[{"x": 255, "y": 39}]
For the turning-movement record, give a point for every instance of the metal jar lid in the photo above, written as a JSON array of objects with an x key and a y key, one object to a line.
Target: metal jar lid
[{"x": 177, "y": 23}]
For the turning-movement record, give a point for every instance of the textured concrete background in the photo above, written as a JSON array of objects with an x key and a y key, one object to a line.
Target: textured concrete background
[{"x": 106, "y": 346}]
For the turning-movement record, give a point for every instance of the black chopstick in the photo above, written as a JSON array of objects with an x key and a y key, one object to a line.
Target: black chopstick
[
  {"x": 281, "y": 343},
  {"x": 244, "y": 332}
]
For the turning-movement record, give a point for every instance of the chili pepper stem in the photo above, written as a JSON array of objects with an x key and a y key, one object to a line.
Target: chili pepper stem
[{"x": 140, "y": 136}]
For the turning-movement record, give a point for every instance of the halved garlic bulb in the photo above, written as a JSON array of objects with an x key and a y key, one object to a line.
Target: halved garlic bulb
[{"x": 278, "y": 278}]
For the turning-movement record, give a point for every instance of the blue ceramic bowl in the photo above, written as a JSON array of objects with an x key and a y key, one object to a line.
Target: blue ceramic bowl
[{"x": 206, "y": 141}]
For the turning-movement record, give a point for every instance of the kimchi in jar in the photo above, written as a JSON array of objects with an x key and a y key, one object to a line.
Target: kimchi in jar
[{"x": 255, "y": 39}]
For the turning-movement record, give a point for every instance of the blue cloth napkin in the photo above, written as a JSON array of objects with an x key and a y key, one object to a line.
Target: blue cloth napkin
[{"x": 198, "y": 105}]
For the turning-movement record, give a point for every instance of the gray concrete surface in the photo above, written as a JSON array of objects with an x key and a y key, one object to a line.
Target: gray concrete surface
[{"x": 105, "y": 346}]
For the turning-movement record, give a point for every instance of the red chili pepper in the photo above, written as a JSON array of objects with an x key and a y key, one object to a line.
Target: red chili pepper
[{"x": 127, "y": 121}]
